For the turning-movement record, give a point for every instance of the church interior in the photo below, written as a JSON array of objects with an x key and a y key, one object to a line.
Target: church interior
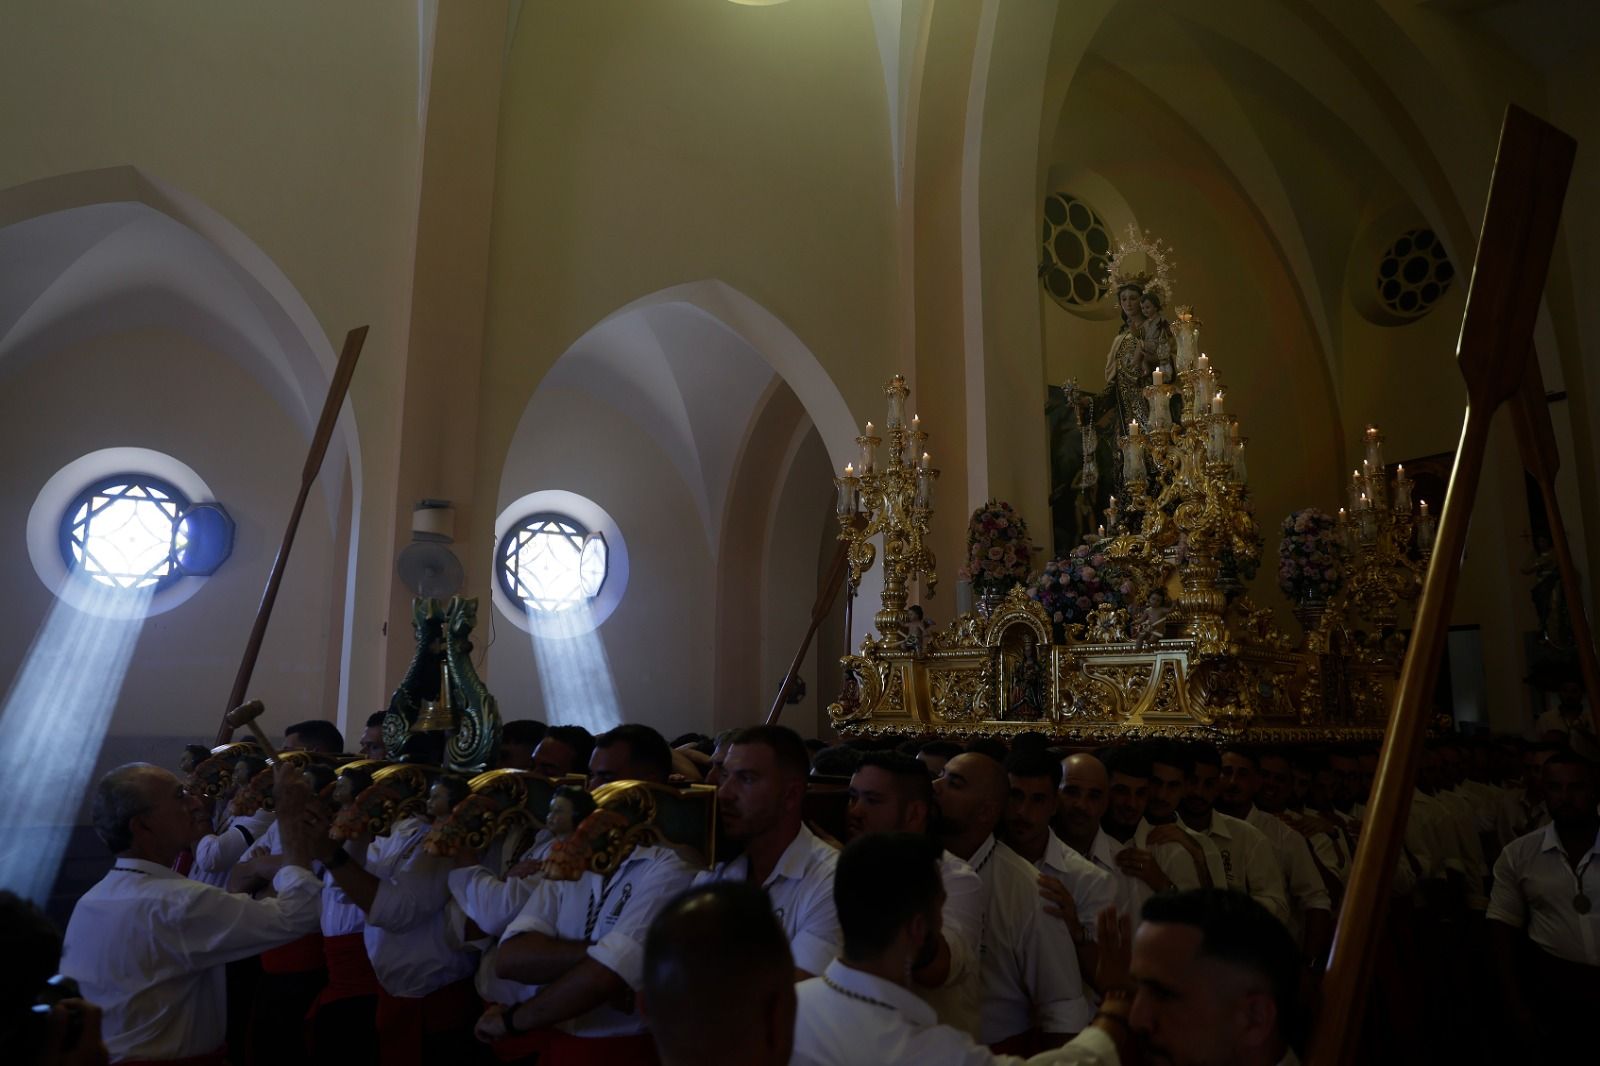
[{"x": 635, "y": 276}]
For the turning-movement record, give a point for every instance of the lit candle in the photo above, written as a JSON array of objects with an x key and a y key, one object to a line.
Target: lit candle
[
  {"x": 849, "y": 470},
  {"x": 846, "y": 501},
  {"x": 1134, "y": 429},
  {"x": 869, "y": 429},
  {"x": 1155, "y": 378},
  {"x": 1364, "y": 503},
  {"x": 1216, "y": 403},
  {"x": 1233, "y": 429},
  {"x": 1102, "y": 531},
  {"x": 926, "y": 459},
  {"x": 1424, "y": 508},
  {"x": 867, "y": 450},
  {"x": 1205, "y": 362},
  {"x": 916, "y": 423}
]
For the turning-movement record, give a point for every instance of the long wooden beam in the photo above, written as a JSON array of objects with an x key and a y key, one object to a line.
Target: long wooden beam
[
  {"x": 1532, "y": 166},
  {"x": 308, "y": 474},
  {"x": 819, "y": 611}
]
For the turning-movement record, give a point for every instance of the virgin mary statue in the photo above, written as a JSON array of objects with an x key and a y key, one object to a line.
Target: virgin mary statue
[{"x": 1087, "y": 429}]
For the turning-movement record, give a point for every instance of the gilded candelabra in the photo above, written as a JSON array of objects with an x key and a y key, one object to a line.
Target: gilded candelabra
[
  {"x": 1377, "y": 530},
  {"x": 895, "y": 501},
  {"x": 1186, "y": 483}
]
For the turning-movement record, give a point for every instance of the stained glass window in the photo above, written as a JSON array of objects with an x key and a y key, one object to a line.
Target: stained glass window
[
  {"x": 127, "y": 532},
  {"x": 551, "y": 563}
]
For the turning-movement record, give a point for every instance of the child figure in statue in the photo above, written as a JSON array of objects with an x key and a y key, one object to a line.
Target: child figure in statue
[
  {"x": 569, "y": 806},
  {"x": 1156, "y": 343}
]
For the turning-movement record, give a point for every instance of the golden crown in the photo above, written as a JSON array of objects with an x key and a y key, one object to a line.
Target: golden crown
[{"x": 1157, "y": 279}]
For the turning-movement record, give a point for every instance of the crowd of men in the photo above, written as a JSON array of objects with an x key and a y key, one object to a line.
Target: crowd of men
[{"x": 1157, "y": 902}]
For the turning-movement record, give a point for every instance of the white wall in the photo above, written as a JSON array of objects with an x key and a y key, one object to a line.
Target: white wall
[{"x": 658, "y": 640}]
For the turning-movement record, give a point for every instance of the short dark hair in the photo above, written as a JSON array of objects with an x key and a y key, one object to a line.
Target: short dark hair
[
  {"x": 1031, "y": 740},
  {"x": 1238, "y": 930},
  {"x": 523, "y": 731},
  {"x": 1243, "y": 752},
  {"x": 360, "y": 778},
  {"x": 944, "y": 749},
  {"x": 582, "y": 802},
  {"x": 319, "y": 734},
  {"x": 375, "y": 719},
  {"x": 575, "y": 737},
  {"x": 1129, "y": 761},
  {"x": 1568, "y": 757},
  {"x": 881, "y": 882},
  {"x": 1034, "y": 762},
  {"x": 841, "y": 761},
  {"x": 708, "y": 951},
  {"x": 1201, "y": 753},
  {"x": 648, "y": 751},
  {"x": 788, "y": 750},
  {"x": 910, "y": 776},
  {"x": 991, "y": 747},
  {"x": 1167, "y": 753}
]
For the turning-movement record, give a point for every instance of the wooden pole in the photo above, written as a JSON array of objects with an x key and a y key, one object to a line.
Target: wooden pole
[
  {"x": 308, "y": 474},
  {"x": 1536, "y": 439},
  {"x": 819, "y": 611},
  {"x": 1532, "y": 166}
]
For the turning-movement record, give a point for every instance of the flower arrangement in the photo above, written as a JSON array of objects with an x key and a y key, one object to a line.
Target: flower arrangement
[
  {"x": 1070, "y": 588},
  {"x": 1308, "y": 556},
  {"x": 998, "y": 550}
]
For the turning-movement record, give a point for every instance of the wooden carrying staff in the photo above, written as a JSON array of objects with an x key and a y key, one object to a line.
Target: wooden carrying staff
[
  {"x": 319, "y": 448},
  {"x": 819, "y": 611},
  {"x": 1532, "y": 166}
]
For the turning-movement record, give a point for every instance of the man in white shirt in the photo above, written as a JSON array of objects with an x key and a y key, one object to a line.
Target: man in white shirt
[
  {"x": 582, "y": 942},
  {"x": 148, "y": 945},
  {"x": 1311, "y": 908},
  {"x": 1545, "y": 909},
  {"x": 1073, "y": 888},
  {"x": 889, "y": 898},
  {"x": 890, "y": 792},
  {"x": 1081, "y": 804},
  {"x": 415, "y": 939},
  {"x": 1033, "y": 995},
  {"x": 1217, "y": 978},
  {"x": 1247, "y": 858},
  {"x": 719, "y": 979},
  {"x": 1169, "y": 784},
  {"x": 760, "y": 804}
]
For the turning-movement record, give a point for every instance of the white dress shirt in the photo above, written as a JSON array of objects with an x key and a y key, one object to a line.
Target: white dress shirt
[
  {"x": 148, "y": 947},
  {"x": 1175, "y": 860},
  {"x": 215, "y": 855},
  {"x": 956, "y": 1001},
  {"x": 612, "y": 914},
  {"x": 1534, "y": 886},
  {"x": 847, "y": 1017},
  {"x": 801, "y": 890},
  {"x": 1248, "y": 862},
  {"x": 1462, "y": 820},
  {"x": 1302, "y": 882},
  {"x": 1029, "y": 967},
  {"x": 1092, "y": 889},
  {"x": 341, "y": 916},
  {"x": 412, "y": 936},
  {"x": 492, "y": 902},
  {"x": 1131, "y": 892}
]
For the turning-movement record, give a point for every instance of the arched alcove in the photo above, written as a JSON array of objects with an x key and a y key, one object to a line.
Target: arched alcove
[{"x": 131, "y": 315}]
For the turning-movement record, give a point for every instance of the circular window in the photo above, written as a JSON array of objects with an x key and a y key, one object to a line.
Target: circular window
[
  {"x": 127, "y": 531},
  {"x": 1413, "y": 273},
  {"x": 122, "y": 520},
  {"x": 551, "y": 563},
  {"x": 1077, "y": 247}
]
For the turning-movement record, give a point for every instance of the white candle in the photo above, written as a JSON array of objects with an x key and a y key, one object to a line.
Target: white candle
[
  {"x": 1155, "y": 378},
  {"x": 1102, "y": 531},
  {"x": 1216, "y": 403},
  {"x": 1205, "y": 362},
  {"x": 926, "y": 459},
  {"x": 916, "y": 423},
  {"x": 1424, "y": 508},
  {"x": 1134, "y": 429}
]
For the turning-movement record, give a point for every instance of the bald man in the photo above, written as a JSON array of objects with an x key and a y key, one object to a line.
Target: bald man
[
  {"x": 148, "y": 945},
  {"x": 1081, "y": 805},
  {"x": 1033, "y": 996}
]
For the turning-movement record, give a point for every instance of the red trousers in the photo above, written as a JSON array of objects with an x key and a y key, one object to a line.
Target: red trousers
[{"x": 408, "y": 1028}]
